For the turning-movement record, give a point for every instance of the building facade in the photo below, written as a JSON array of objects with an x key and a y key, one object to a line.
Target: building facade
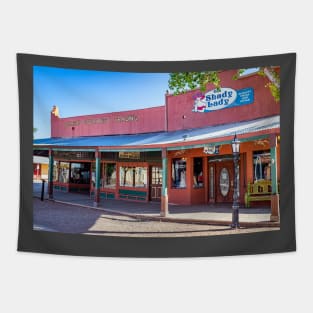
[
  {"x": 40, "y": 168},
  {"x": 179, "y": 152}
]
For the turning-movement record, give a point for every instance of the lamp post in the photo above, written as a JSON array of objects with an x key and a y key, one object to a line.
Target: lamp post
[{"x": 235, "y": 144}]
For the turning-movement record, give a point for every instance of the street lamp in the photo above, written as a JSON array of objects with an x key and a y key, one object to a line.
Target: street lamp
[{"x": 235, "y": 144}]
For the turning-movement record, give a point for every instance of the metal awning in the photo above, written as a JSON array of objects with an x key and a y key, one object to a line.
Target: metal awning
[{"x": 183, "y": 137}]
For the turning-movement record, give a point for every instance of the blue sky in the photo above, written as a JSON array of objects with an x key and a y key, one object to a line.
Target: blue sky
[{"x": 82, "y": 92}]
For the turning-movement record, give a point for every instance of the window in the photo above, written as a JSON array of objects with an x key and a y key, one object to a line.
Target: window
[
  {"x": 156, "y": 175},
  {"x": 108, "y": 175},
  {"x": 56, "y": 171},
  {"x": 80, "y": 173},
  {"x": 224, "y": 182},
  {"x": 179, "y": 173},
  {"x": 93, "y": 175},
  {"x": 140, "y": 177},
  {"x": 197, "y": 173},
  {"x": 262, "y": 165},
  {"x": 248, "y": 72},
  {"x": 63, "y": 173},
  {"x": 126, "y": 176},
  {"x": 131, "y": 176}
]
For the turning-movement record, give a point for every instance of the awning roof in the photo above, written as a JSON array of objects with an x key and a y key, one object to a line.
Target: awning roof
[{"x": 185, "y": 137}]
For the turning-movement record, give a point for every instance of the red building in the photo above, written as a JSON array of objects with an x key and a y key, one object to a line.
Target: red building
[{"x": 179, "y": 152}]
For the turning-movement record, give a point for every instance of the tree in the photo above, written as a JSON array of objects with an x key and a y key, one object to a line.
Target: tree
[{"x": 181, "y": 82}]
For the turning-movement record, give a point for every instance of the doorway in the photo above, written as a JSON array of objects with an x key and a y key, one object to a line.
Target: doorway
[
  {"x": 155, "y": 183},
  {"x": 221, "y": 181}
]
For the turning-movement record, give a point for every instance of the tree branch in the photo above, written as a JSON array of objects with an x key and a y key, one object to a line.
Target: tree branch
[{"x": 272, "y": 76}]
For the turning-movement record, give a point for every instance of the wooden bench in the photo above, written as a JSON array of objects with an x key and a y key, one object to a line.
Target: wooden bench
[{"x": 258, "y": 191}]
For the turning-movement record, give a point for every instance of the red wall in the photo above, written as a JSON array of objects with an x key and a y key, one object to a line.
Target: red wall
[
  {"x": 170, "y": 116},
  {"x": 190, "y": 195},
  {"x": 182, "y": 105},
  {"x": 127, "y": 122}
]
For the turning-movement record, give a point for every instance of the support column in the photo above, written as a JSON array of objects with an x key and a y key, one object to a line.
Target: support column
[
  {"x": 164, "y": 196},
  {"x": 235, "y": 206},
  {"x": 97, "y": 183},
  {"x": 206, "y": 179},
  {"x": 249, "y": 166},
  {"x": 275, "y": 195},
  {"x": 50, "y": 175}
]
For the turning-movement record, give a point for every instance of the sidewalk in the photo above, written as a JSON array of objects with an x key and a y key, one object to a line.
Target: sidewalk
[{"x": 214, "y": 214}]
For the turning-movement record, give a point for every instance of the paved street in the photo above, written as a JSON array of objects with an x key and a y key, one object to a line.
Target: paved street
[
  {"x": 52, "y": 216},
  {"x": 197, "y": 212}
]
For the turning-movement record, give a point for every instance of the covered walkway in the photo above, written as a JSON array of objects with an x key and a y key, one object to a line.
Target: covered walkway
[
  {"x": 208, "y": 214},
  {"x": 171, "y": 146}
]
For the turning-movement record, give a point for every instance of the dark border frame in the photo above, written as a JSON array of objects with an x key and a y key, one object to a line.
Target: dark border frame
[{"x": 283, "y": 240}]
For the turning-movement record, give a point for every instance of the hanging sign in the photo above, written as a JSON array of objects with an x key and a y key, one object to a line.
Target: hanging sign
[
  {"x": 211, "y": 149},
  {"x": 222, "y": 98},
  {"x": 129, "y": 155}
]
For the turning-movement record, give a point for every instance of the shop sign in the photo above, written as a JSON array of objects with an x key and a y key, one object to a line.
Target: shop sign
[
  {"x": 128, "y": 118},
  {"x": 103, "y": 120},
  {"x": 129, "y": 155},
  {"x": 222, "y": 98},
  {"x": 211, "y": 149}
]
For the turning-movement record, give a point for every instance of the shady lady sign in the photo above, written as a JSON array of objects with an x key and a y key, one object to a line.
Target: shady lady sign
[{"x": 222, "y": 98}]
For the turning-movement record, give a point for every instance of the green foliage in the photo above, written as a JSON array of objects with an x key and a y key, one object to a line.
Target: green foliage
[
  {"x": 261, "y": 72},
  {"x": 238, "y": 73},
  {"x": 181, "y": 82},
  {"x": 275, "y": 91}
]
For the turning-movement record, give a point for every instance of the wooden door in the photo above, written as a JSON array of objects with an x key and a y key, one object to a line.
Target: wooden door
[
  {"x": 155, "y": 183},
  {"x": 224, "y": 181}
]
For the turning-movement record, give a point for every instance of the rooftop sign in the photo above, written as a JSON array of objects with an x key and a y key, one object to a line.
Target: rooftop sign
[{"x": 222, "y": 98}]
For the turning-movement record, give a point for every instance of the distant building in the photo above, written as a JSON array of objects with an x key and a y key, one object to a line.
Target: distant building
[{"x": 40, "y": 168}]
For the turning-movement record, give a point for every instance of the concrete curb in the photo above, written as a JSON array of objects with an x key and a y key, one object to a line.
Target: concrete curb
[{"x": 173, "y": 219}]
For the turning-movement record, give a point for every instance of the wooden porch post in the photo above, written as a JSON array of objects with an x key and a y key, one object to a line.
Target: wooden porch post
[
  {"x": 50, "y": 174},
  {"x": 206, "y": 179},
  {"x": 164, "y": 196},
  {"x": 275, "y": 195},
  {"x": 97, "y": 183}
]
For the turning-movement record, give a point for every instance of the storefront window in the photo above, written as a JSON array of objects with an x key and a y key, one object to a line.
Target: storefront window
[
  {"x": 133, "y": 176},
  {"x": 64, "y": 170},
  {"x": 179, "y": 173},
  {"x": 262, "y": 165},
  {"x": 224, "y": 181},
  {"x": 108, "y": 175},
  {"x": 156, "y": 175},
  {"x": 126, "y": 176},
  {"x": 197, "y": 173},
  {"x": 56, "y": 171},
  {"x": 140, "y": 177},
  {"x": 93, "y": 174},
  {"x": 80, "y": 173}
]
